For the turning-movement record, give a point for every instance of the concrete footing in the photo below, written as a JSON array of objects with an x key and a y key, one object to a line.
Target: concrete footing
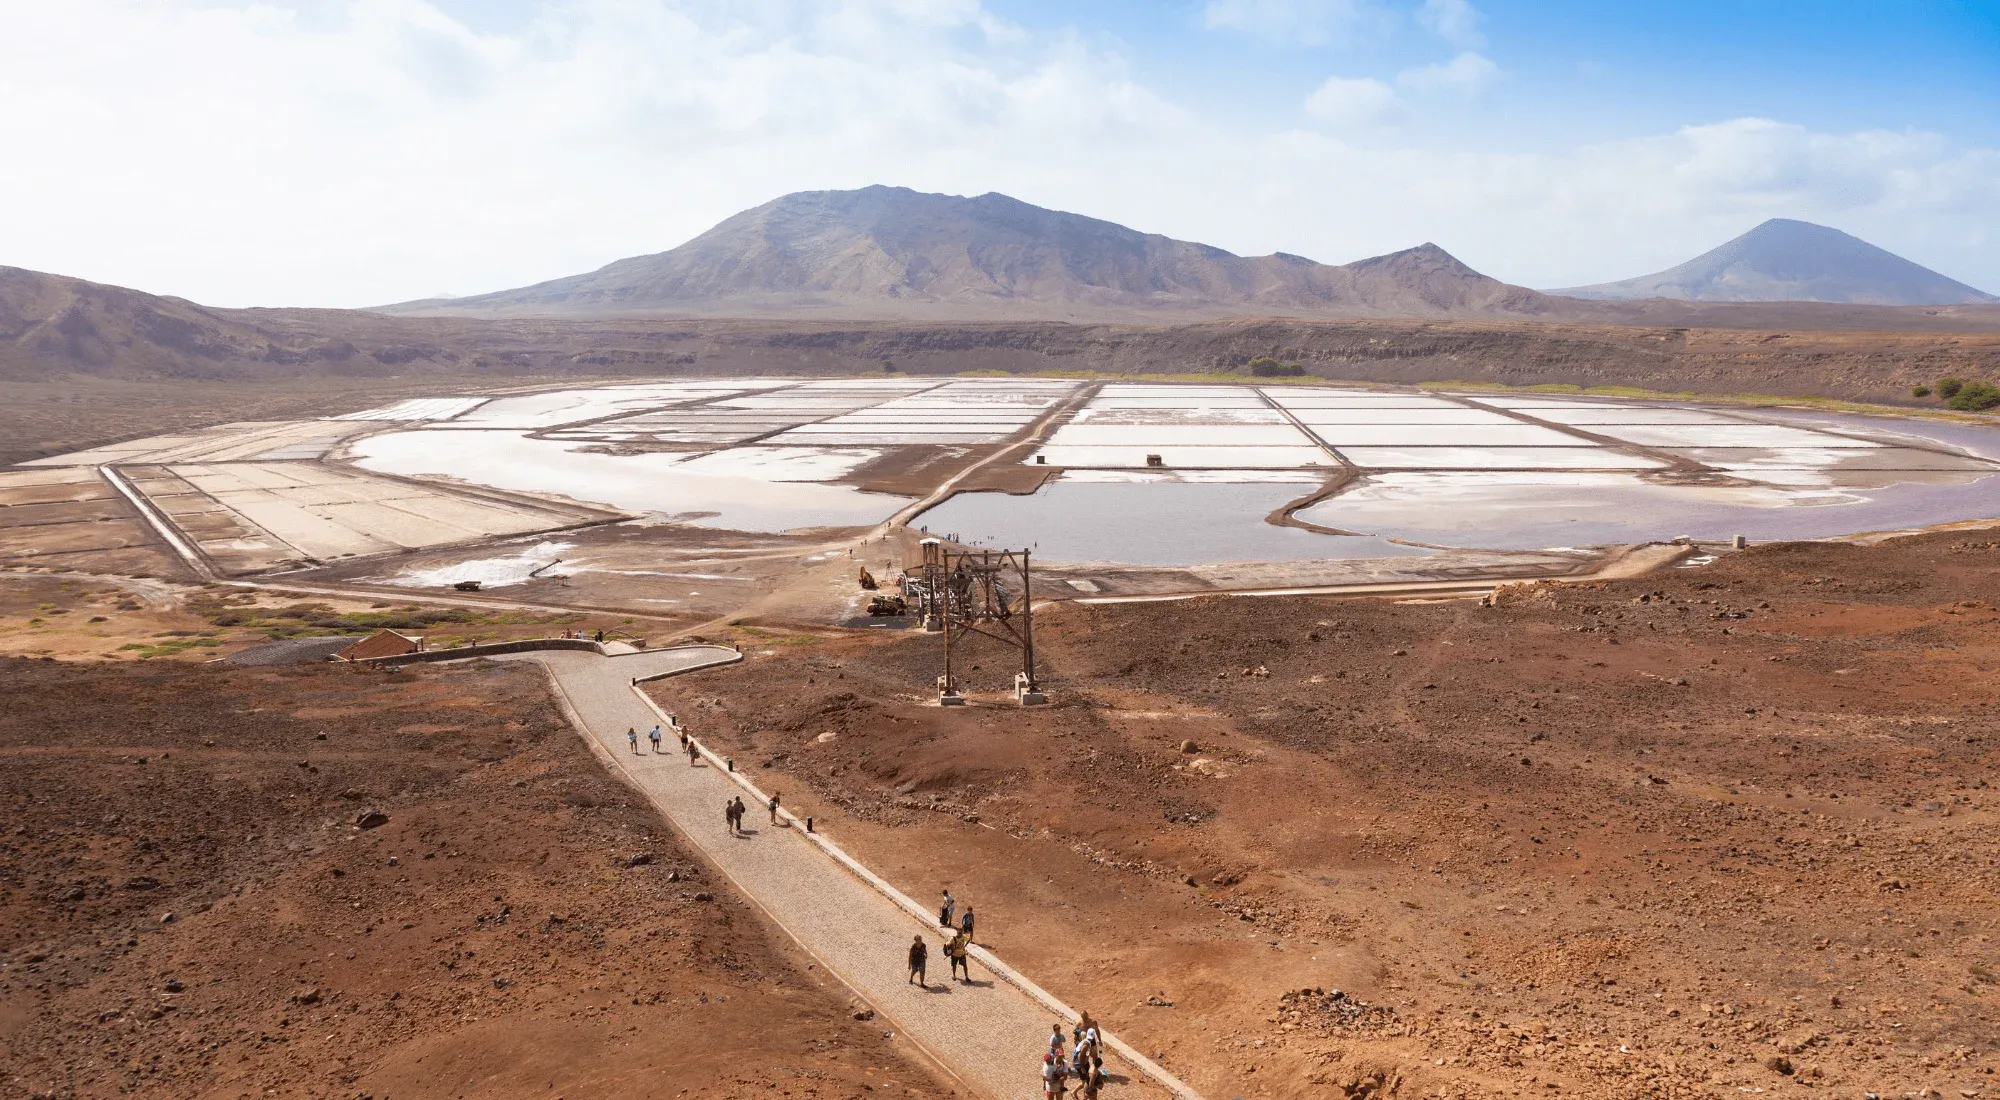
[{"x": 1025, "y": 694}]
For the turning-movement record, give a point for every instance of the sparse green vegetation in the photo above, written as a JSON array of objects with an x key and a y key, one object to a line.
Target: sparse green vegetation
[
  {"x": 1962, "y": 395},
  {"x": 309, "y": 618},
  {"x": 146, "y": 651},
  {"x": 1974, "y": 397},
  {"x": 1264, "y": 366}
]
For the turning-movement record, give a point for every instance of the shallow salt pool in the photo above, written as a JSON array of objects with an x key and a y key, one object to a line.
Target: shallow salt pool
[
  {"x": 653, "y": 482},
  {"x": 1161, "y": 523}
]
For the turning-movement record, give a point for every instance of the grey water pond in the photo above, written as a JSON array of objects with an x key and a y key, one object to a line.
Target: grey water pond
[
  {"x": 1189, "y": 524},
  {"x": 1148, "y": 524}
]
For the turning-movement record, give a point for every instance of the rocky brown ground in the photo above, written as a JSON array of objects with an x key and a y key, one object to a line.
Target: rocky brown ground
[
  {"x": 1715, "y": 832},
  {"x": 197, "y": 898}
]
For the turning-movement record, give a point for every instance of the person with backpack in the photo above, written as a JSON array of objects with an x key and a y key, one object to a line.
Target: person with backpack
[
  {"x": 965, "y": 924},
  {"x": 955, "y": 951}
]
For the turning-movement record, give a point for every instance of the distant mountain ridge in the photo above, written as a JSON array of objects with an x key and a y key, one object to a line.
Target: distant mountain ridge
[
  {"x": 894, "y": 253},
  {"x": 1784, "y": 260}
]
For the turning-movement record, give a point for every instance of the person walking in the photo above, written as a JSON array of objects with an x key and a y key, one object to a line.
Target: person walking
[
  {"x": 655, "y": 735},
  {"x": 1079, "y": 1067},
  {"x": 632, "y": 738},
  {"x": 944, "y": 911},
  {"x": 685, "y": 739},
  {"x": 694, "y": 752},
  {"x": 920, "y": 954},
  {"x": 965, "y": 924},
  {"x": 1095, "y": 1041},
  {"x": 772, "y": 805},
  {"x": 956, "y": 952},
  {"x": 741, "y": 809},
  {"x": 729, "y": 816}
]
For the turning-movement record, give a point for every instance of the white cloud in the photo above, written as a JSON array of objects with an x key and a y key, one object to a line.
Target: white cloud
[
  {"x": 1348, "y": 101},
  {"x": 365, "y": 152},
  {"x": 1455, "y": 21},
  {"x": 1302, "y": 22},
  {"x": 1467, "y": 74}
]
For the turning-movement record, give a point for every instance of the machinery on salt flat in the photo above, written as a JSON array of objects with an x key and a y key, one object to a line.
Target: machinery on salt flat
[{"x": 986, "y": 592}]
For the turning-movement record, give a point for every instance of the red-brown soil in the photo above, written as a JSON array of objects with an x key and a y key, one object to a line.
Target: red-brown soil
[
  {"x": 521, "y": 925},
  {"x": 1708, "y": 833}
]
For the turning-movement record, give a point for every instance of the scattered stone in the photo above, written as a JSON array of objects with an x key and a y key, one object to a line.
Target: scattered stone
[
  {"x": 641, "y": 860},
  {"x": 703, "y": 895},
  {"x": 370, "y": 819},
  {"x": 353, "y": 794},
  {"x": 306, "y": 997},
  {"x": 1331, "y": 1008},
  {"x": 1188, "y": 746}
]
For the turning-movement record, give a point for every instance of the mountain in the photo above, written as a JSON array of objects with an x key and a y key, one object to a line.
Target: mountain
[
  {"x": 1791, "y": 261},
  {"x": 894, "y": 253}
]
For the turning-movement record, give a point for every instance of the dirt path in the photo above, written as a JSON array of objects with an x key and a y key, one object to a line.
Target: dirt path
[{"x": 988, "y": 1034}]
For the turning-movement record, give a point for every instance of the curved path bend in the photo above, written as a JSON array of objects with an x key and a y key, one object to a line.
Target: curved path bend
[{"x": 989, "y": 1035}]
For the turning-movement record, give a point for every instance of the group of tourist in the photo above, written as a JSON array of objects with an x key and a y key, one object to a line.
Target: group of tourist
[
  {"x": 687, "y": 743},
  {"x": 1084, "y": 1063},
  {"x": 956, "y": 943}
]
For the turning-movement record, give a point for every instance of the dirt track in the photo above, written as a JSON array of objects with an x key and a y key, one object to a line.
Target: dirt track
[
  {"x": 521, "y": 925},
  {"x": 1718, "y": 830}
]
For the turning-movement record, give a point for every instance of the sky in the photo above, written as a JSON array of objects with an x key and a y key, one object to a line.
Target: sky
[{"x": 361, "y": 152}]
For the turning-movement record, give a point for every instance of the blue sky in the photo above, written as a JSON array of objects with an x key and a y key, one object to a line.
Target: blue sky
[
  {"x": 1599, "y": 70},
  {"x": 349, "y": 152}
]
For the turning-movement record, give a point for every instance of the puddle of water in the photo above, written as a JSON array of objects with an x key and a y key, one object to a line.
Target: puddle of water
[
  {"x": 1158, "y": 523},
  {"x": 650, "y": 482}
]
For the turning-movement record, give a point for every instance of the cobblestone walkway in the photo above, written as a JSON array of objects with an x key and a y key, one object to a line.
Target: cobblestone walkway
[{"x": 988, "y": 1034}]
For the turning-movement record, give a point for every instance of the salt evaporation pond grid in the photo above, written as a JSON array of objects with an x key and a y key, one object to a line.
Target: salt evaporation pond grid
[
  {"x": 1522, "y": 512},
  {"x": 1206, "y": 457},
  {"x": 1171, "y": 435},
  {"x": 1731, "y": 435},
  {"x": 1315, "y": 417},
  {"x": 1151, "y": 524},
  {"x": 1344, "y": 436},
  {"x": 417, "y": 408},
  {"x": 651, "y": 482},
  {"x": 1626, "y": 415},
  {"x": 1097, "y": 414},
  {"x": 1496, "y": 458}
]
